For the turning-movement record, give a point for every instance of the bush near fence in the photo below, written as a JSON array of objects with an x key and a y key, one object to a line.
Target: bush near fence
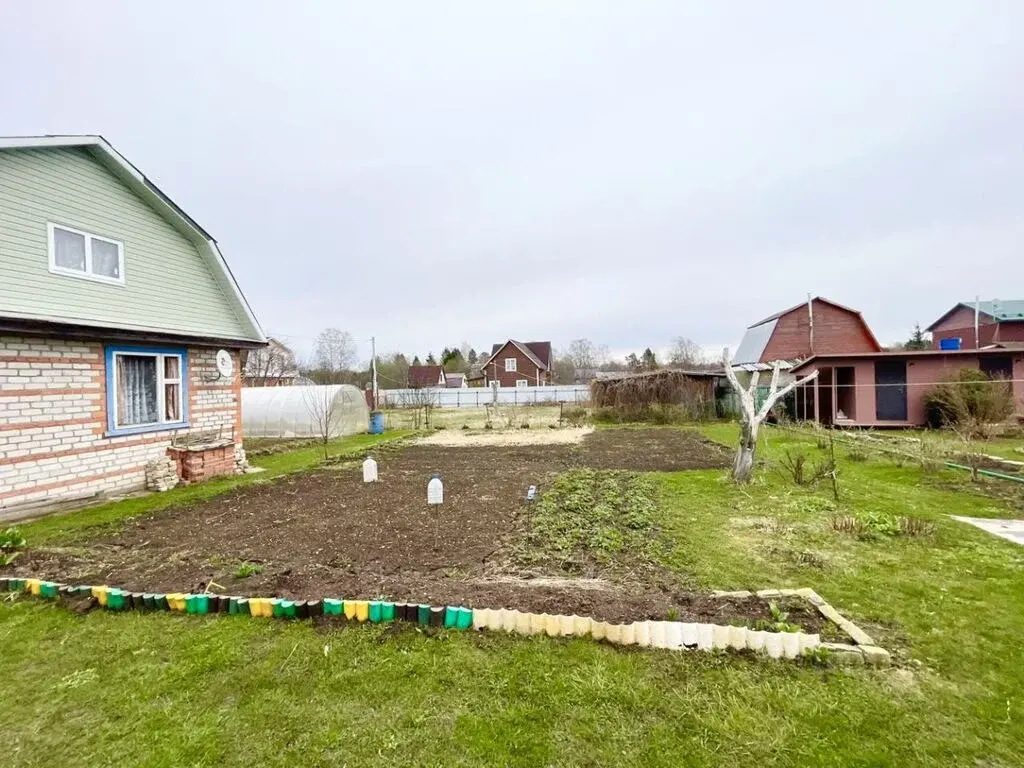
[{"x": 661, "y": 397}]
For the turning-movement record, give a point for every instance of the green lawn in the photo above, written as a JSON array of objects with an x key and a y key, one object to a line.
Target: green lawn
[{"x": 178, "y": 690}]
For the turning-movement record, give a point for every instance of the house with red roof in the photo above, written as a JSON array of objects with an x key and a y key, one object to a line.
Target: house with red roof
[{"x": 425, "y": 376}]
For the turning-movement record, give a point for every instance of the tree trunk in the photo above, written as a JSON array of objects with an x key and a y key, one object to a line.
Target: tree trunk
[{"x": 743, "y": 466}]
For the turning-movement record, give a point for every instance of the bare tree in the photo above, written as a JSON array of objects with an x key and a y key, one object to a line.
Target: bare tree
[
  {"x": 565, "y": 370},
  {"x": 269, "y": 365},
  {"x": 586, "y": 355},
  {"x": 751, "y": 417},
  {"x": 421, "y": 402},
  {"x": 685, "y": 353},
  {"x": 322, "y": 407},
  {"x": 334, "y": 350}
]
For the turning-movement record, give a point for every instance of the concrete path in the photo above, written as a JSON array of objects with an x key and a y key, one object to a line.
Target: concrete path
[{"x": 1011, "y": 530}]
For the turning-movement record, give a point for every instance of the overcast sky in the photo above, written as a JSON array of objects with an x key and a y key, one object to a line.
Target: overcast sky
[{"x": 433, "y": 173}]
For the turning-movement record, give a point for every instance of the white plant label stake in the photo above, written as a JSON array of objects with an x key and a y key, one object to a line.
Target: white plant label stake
[
  {"x": 369, "y": 470},
  {"x": 435, "y": 491}
]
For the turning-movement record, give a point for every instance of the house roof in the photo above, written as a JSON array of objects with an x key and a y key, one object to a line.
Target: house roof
[
  {"x": 755, "y": 339},
  {"x": 425, "y": 375},
  {"x": 898, "y": 354},
  {"x": 664, "y": 373},
  {"x": 538, "y": 352},
  {"x": 1009, "y": 311},
  {"x": 777, "y": 315},
  {"x": 1012, "y": 345},
  {"x": 784, "y": 365},
  {"x": 754, "y": 343},
  {"x": 133, "y": 178}
]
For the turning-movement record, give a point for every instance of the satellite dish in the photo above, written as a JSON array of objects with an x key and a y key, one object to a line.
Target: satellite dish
[{"x": 225, "y": 365}]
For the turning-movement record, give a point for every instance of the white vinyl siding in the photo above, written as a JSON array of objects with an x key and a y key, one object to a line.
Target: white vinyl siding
[
  {"x": 510, "y": 365},
  {"x": 169, "y": 286}
]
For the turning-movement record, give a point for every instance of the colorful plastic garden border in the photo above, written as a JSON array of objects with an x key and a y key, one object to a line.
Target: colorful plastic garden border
[{"x": 671, "y": 635}]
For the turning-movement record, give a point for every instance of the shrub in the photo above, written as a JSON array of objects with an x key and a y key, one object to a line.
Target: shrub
[
  {"x": 11, "y": 541},
  {"x": 875, "y": 524},
  {"x": 247, "y": 569},
  {"x": 804, "y": 473},
  {"x": 856, "y": 454},
  {"x": 969, "y": 402},
  {"x": 655, "y": 413},
  {"x": 915, "y": 526},
  {"x": 574, "y": 415}
]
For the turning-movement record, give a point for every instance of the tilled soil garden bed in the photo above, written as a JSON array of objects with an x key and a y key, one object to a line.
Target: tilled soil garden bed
[{"x": 589, "y": 545}]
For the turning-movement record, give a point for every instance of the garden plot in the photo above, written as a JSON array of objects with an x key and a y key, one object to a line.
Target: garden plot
[{"x": 590, "y": 545}]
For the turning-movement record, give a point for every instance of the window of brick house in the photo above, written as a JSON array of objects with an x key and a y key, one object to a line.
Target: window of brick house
[{"x": 146, "y": 389}]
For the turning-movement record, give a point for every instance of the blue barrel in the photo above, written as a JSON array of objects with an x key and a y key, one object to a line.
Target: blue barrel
[{"x": 376, "y": 423}]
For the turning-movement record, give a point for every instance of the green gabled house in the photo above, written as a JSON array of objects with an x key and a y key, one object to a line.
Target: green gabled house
[{"x": 122, "y": 330}]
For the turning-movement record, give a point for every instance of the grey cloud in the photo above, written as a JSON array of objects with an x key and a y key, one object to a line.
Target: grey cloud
[{"x": 432, "y": 173}]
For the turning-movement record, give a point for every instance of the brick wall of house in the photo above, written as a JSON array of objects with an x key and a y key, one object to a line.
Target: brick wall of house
[
  {"x": 960, "y": 324},
  {"x": 53, "y": 420},
  {"x": 836, "y": 330},
  {"x": 525, "y": 369}
]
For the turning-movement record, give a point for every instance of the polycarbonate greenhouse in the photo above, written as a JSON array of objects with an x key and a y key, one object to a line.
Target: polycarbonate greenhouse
[{"x": 297, "y": 411}]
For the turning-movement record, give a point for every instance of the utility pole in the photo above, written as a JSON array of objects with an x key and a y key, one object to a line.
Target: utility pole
[{"x": 373, "y": 368}]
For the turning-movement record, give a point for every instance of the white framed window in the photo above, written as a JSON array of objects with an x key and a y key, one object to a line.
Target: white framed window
[
  {"x": 146, "y": 389},
  {"x": 82, "y": 254},
  {"x": 522, "y": 382},
  {"x": 510, "y": 365}
]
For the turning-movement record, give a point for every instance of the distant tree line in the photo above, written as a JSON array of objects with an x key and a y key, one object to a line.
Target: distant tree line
[{"x": 334, "y": 361}]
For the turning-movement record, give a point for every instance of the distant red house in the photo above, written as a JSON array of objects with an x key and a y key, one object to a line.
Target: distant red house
[
  {"x": 423, "y": 376},
  {"x": 997, "y": 321},
  {"x": 815, "y": 327},
  {"x": 519, "y": 364}
]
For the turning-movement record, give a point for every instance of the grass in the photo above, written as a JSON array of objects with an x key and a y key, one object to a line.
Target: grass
[
  {"x": 62, "y": 529},
  {"x": 247, "y": 569},
  {"x": 176, "y": 690}
]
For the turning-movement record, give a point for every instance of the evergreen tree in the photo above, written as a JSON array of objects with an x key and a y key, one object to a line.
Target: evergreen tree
[
  {"x": 431, "y": 360},
  {"x": 416, "y": 360},
  {"x": 917, "y": 339},
  {"x": 648, "y": 361},
  {"x": 453, "y": 363},
  {"x": 471, "y": 357}
]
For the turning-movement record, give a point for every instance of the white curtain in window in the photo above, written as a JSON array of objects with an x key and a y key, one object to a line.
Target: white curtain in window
[
  {"x": 68, "y": 249},
  {"x": 105, "y": 259},
  {"x": 136, "y": 390}
]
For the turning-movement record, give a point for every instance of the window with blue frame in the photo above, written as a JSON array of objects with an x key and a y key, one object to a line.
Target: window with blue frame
[{"x": 147, "y": 388}]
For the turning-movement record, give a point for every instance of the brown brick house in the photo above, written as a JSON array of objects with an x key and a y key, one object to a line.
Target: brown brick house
[
  {"x": 817, "y": 327},
  {"x": 997, "y": 321},
  {"x": 519, "y": 364}
]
